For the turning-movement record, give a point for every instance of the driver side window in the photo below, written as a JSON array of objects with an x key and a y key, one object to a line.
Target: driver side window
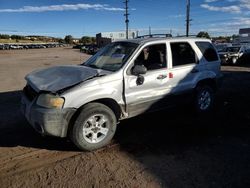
[{"x": 153, "y": 57}]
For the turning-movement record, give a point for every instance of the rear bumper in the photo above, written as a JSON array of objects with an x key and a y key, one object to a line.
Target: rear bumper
[{"x": 53, "y": 122}]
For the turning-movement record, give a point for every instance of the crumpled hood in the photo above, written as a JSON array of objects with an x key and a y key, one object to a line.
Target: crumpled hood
[{"x": 60, "y": 77}]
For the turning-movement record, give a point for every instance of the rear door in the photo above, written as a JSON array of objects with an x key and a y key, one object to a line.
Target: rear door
[{"x": 184, "y": 67}]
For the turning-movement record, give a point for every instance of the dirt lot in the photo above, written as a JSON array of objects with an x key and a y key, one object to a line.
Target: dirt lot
[{"x": 179, "y": 149}]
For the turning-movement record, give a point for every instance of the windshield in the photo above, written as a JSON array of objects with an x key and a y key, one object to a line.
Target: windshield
[
  {"x": 233, "y": 49},
  {"x": 112, "y": 57},
  {"x": 220, "y": 47}
]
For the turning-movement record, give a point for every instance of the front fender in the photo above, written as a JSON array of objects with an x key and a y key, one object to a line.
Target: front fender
[{"x": 83, "y": 95}]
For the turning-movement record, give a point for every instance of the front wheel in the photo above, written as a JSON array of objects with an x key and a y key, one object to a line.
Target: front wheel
[
  {"x": 204, "y": 99},
  {"x": 94, "y": 127}
]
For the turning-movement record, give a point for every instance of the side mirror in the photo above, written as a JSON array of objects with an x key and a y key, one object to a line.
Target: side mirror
[{"x": 139, "y": 69}]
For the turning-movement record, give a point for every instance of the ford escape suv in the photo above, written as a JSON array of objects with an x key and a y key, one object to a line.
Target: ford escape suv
[{"x": 124, "y": 79}]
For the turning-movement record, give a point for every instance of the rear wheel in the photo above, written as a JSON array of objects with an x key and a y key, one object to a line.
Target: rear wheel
[
  {"x": 94, "y": 127},
  {"x": 204, "y": 98}
]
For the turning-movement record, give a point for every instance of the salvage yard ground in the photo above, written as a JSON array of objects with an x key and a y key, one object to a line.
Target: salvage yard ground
[{"x": 173, "y": 148}]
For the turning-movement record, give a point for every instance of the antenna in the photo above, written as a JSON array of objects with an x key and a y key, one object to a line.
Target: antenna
[{"x": 126, "y": 17}]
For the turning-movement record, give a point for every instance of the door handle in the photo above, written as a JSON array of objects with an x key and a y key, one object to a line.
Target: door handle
[{"x": 161, "y": 77}]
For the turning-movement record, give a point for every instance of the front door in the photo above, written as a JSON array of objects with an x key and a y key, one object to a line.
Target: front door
[{"x": 150, "y": 93}]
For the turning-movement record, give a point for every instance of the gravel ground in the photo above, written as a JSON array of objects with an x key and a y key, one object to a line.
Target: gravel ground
[{"x": 172, "y": 148}]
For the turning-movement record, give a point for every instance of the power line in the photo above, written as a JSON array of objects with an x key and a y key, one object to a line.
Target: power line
[
  {"x": 126, "y": 17},
  {"x": 188, "y": 18}
]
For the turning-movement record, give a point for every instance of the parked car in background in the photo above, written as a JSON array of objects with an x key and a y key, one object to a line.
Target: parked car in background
[
  {"x": 92, "y": 49},
  {"x": 78, "y": 46},
  {"x": 89, "y": 49},
  {"x": 84, "y": 48},
  {"x": 6, "y": 46},
  {"x": 19, "y": 46},
  {"x": 222, "y": 46},
  {"x": 235, "y": 55},
  {"x": 16, "y": 47}
]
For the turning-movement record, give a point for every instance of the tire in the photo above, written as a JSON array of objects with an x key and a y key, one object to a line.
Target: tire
[
  {"x": 204, "y": 99},
  {"x": 94, "y": 127}
]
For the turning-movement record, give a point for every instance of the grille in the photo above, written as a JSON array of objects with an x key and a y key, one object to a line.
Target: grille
[{"x": 29, "y": 92}]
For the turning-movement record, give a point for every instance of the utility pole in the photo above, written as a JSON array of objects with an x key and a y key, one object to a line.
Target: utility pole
[
  {"x": 126, "y": 17},
  {"x": 149, "y": 31},
  {"x": 188, "y": 18}
]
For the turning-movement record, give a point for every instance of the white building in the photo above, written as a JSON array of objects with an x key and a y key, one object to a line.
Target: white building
[
  {"x": 244, "y": 35},
  {"x": 107, "y": 37}
]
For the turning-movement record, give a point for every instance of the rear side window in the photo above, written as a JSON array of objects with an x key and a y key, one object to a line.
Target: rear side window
[
  {"x": 208, "y": 51},
  {"x": 182, "y": 54}
]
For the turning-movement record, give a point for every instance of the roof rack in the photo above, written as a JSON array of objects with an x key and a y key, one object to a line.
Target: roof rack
[
  {"x": 186, "y": 36},
  {"x": 164, "y": 35},
  {"x": 155, "y": 35}
]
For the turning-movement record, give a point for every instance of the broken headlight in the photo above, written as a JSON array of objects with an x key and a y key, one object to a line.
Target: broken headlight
[{"x": 50, "y": 101}]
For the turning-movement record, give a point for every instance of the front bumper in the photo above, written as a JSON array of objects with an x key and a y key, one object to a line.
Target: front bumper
[{"x": 53, "y": 122}]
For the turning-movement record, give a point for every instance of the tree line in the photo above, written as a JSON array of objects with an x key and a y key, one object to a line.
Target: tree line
[
  {"x": 204, "y": 34},
  {"x": 17, "y": 37},
  {"x": 67, "y": 39},
  {"x": 84, "y": 40},
  {"x": 89, "y": 40}
]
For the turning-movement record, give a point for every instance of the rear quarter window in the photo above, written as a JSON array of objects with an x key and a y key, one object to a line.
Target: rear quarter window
[{"x": 208, "y": 51}]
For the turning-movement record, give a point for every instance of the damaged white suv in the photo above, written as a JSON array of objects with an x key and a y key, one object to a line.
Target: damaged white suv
[{"x": 122, "y": 80}]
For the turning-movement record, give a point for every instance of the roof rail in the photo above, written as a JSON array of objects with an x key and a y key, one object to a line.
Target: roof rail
[
  {"x": 163, "y": 35},
  {"x": 186, "y": 36},
  {"x": 155, "y": 35}
]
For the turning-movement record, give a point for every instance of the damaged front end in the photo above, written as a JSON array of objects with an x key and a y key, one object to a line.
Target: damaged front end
[
  {"x": 41, "y": 102},
  {"x": 47, "y": 121},
  {"x": 57, "y": 78},
  {"x": 45, "y": 112}
]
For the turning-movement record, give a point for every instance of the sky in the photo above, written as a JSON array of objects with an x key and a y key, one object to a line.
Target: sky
[{"x": 79, "y": 18}]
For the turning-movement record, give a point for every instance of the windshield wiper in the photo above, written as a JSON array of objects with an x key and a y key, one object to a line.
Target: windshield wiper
[
  {"x": 96, "y": 67},
  {"x": 92, "y": 66}
]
